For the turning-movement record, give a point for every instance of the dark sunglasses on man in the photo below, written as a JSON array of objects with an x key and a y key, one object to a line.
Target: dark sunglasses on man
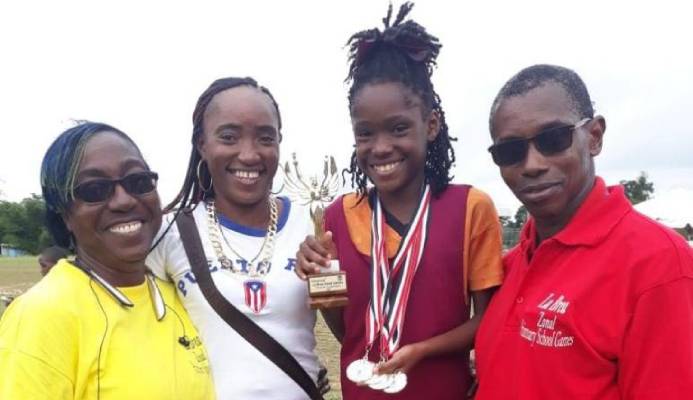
[
  {"x": 548, "y": 142},
  {"x": 99, "y": 190}
]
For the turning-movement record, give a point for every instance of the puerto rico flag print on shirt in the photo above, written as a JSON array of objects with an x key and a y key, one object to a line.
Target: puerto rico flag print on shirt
[{"x": 255, "y": 295}]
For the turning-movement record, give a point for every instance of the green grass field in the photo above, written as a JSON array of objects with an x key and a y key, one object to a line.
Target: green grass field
[
  {"x": 17, "y": 274},
  {"x": 20, "y": 273}
]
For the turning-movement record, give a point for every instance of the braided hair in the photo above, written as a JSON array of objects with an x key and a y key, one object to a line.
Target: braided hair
[
  {"x": 192, "y": 192},
  {"x": 59, "y": 170},
  {"x": 403, "y": 52}
]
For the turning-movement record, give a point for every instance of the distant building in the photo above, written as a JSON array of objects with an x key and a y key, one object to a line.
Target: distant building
[{"x": 7, "y": 250}]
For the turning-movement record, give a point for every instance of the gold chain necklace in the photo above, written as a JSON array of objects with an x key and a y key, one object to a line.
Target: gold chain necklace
[{"x": 216, "y": 234}]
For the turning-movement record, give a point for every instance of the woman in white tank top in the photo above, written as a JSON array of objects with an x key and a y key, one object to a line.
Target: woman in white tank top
[{"x": 250, "y": 239}]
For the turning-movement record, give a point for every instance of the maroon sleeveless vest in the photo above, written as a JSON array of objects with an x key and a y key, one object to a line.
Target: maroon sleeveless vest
[{"x": 436, "y": 304}]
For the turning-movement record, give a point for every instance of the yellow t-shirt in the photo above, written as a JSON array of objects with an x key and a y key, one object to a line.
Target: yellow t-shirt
[
  {"x": 69, "y": 338},
  {"x": 482, "y": 265}
]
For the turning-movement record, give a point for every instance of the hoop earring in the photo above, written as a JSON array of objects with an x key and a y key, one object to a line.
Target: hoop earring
[
  {"x": 200, "y": 181},
  {"x": 278, "y": 191}
]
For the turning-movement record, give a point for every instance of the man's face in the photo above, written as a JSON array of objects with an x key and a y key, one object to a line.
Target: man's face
[{"x": 551, "y": 186}]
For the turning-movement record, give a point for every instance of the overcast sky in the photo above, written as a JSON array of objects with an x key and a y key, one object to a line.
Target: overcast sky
[{"x": 140, "y": 66}]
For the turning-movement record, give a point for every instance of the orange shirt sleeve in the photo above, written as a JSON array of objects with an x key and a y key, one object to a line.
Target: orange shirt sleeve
[
  {"x": 482, "y": 264},
  {"x": 358, "y": 216}
]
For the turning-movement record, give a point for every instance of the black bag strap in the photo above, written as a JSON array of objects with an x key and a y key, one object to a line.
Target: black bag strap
[{"x": 245, "y": 327}]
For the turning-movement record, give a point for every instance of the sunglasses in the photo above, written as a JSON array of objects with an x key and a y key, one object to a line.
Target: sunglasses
[
  {"x": 548, "y": 142},
  {"x": 99, "y": 190}
]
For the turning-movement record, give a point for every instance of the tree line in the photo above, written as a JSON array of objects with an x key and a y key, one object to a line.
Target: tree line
[{"x": 22, "y": 224}]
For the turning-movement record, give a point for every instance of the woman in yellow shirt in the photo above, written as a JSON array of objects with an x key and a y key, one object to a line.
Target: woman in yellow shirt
[{"x": 101, "y": 326}]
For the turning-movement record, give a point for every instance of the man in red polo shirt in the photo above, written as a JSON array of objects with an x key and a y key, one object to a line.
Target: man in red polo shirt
[{"x": 597, "y": 302}]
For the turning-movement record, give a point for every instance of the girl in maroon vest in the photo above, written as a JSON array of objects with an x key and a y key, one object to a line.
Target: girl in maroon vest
[{"x": 415, "y": 248}]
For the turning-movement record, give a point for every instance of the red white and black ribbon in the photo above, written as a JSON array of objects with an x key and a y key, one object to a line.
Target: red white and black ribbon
[{"x": 391, "y": 283}]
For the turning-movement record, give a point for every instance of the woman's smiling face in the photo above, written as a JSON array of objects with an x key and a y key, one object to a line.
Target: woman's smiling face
[
  {"x": 240, "y": 145},
  {"x": 120, "y": 229}
]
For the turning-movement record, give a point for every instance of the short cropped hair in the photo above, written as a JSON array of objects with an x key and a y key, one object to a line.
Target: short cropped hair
[{"x": 537, "y": 75}]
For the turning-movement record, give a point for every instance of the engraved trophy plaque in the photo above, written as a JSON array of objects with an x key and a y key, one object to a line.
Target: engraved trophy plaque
[{"x": 326, "y": 289}]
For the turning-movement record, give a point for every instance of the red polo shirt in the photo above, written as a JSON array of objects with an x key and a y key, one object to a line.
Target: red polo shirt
[{"x": 601, "y": 310}]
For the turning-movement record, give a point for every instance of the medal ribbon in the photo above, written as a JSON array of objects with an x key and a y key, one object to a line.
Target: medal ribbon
[{"x": 391, "y": 284}]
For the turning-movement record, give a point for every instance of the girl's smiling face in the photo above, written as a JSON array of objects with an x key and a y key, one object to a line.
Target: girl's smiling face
[{"x": 392, "y": 131}]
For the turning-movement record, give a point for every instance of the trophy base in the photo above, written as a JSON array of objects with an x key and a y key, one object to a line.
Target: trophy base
[
  {"x": 328, "y": 302},
  {"x": 328, "y": 289}
]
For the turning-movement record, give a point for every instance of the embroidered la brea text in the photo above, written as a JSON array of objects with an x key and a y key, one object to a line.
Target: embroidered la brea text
[{"x": 544, "y": 333}]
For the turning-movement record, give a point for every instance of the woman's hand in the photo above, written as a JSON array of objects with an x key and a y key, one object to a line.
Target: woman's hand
[{"x": 314, "y": 254}]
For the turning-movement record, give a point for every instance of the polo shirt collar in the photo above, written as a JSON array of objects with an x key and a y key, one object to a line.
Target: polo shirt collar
[{"x": 599, "y": 213}]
